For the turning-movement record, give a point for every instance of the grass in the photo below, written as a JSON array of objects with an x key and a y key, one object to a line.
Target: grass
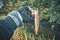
[{"x": 22, "y": 34}]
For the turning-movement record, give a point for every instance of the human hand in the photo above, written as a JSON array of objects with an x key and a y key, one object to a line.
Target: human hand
[{"x": 27, "y": 14}]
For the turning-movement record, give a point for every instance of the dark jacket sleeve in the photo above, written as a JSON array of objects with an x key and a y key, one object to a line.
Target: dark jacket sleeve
[
  {"x": 7, "y": 28},
  {"x": 9, "y": 24}
]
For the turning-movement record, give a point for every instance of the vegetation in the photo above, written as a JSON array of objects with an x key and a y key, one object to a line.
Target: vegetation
[{"x": 49, "y": 12}]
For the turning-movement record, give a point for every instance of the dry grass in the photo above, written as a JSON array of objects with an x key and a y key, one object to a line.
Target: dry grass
[
  {"x": 2, "y": 16},
  {"x": 18, "y": 35}
]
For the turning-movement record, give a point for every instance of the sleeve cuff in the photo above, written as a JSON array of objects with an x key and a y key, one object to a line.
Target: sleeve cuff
[{"x": 16, "y": 17}]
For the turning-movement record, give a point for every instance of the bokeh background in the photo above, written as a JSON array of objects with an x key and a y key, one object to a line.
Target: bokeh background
[{"x": 49, "y": 11}]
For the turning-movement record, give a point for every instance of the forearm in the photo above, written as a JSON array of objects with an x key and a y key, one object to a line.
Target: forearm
[
  {"x": 10, "y": 23},
  {"x": 13, "y": 20}
]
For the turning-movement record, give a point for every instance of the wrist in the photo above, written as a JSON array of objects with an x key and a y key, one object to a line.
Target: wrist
[{"x": 16, "y": 17}]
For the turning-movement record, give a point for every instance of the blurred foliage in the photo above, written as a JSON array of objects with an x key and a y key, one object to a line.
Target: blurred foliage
[{"x": 49, "y": 11}]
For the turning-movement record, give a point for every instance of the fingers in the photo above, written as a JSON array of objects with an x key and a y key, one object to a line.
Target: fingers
[
  {"x": 30, "y": 9},
  {"x": 34, "y": 12}
]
